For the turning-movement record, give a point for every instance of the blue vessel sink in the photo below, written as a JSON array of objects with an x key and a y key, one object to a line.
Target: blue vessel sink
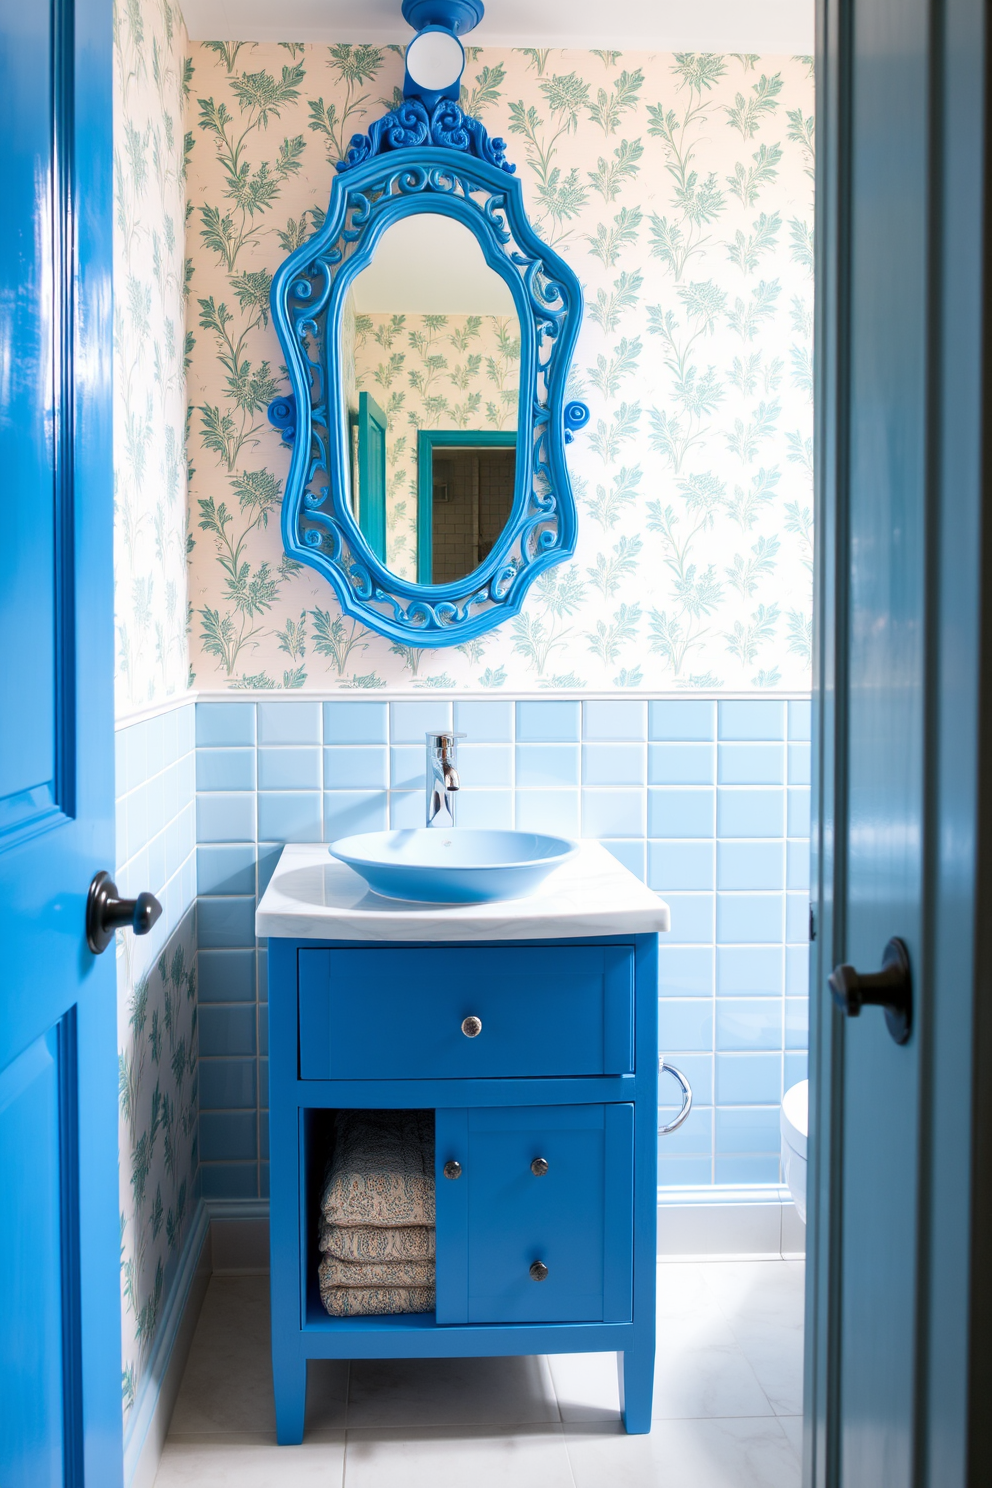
[{"x": 453, "y": 865}]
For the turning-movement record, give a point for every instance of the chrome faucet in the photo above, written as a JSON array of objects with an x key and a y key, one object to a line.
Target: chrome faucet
[{"x": 442, "y": 779}]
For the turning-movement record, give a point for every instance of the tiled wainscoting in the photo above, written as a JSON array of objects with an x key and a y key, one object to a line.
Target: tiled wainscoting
[{"x": 708, "y": 801}]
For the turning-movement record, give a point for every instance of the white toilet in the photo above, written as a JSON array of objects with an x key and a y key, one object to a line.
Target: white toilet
[{"x": 795, "y": 1125}]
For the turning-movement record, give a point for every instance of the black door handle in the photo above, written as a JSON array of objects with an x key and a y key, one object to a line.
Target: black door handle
[
  {"x": 105, "y": 913},
  {"x": 891, "y": 989}
]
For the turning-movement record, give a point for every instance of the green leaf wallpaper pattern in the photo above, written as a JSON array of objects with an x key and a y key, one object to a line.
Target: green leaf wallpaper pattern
[
  {"x": 150, "y": 505},
  {"x": 679, "y": 186}
]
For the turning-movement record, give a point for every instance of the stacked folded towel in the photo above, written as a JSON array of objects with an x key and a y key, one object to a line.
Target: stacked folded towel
[{"x": 377, "y": 1214}]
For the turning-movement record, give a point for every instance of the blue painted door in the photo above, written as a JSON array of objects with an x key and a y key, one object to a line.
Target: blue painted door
[
  {"x": 60, "y": 1410},
  {"x": 890, "y": 1321},
  {"x": 535, "y": 1214}
]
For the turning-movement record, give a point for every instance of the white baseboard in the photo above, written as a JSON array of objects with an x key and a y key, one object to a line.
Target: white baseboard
[
  {"x": 152, "y": 1412},
  {"x": 722, "y": 1222}
]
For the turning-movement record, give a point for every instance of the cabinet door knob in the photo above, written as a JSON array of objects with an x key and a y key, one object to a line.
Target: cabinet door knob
[
  {"x": 452, "y": 1169},
  {"x": 538, "y": 1271},
  {"x": 539, "y": 1167},
  {"x": 471, "y": 1027}
]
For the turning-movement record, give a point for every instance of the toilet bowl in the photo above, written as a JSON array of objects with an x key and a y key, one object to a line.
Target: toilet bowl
[{"x": 795, "y": 1125}]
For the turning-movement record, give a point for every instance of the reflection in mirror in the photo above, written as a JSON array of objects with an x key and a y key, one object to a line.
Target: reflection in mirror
[{"x": 430, "y": 354}]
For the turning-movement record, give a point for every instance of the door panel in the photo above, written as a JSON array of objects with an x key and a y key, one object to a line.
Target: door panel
[
  {"x": 893, "y": 1334},
  {"x": 500, "y": 1218},
  {"x": 59, "y": 1236}
]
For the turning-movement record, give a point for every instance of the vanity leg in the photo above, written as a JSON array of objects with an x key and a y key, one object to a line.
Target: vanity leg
[
  {"x": 289, "y": 1379},
  {"x": 635, "y": 1371}
]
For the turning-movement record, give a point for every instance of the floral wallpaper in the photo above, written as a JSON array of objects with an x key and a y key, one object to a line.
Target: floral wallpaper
[
  {"x": 432, "y": 372},
  {"x": 157, "y": 1049},
  {"x": 150, "y": 581},
  {"x": 680, "y": 187}
]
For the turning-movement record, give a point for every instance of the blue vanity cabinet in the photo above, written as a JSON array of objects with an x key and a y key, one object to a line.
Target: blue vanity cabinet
[{"x": 546, "y": 1117}]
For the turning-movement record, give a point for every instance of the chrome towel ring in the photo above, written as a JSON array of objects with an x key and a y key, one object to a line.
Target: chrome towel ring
[{"x": 670, "y": 1069}]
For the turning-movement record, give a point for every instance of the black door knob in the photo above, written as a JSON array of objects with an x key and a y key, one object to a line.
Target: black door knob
[
  {"x": 538, "y": 1271},
  {"x": 891, "y": 989},
  {"x": 105, "y": 913}
]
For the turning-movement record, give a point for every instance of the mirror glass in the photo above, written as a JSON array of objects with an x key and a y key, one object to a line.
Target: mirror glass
[{"x": 430, "y": 355}]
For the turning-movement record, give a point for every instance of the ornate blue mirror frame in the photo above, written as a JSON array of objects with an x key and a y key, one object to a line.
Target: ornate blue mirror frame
[{"x": 425, "y": 156}]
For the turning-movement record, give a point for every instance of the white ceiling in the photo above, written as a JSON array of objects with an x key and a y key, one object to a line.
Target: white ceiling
[
  {"x": 431, "y": 265},
  {"x": 774, "y": 26}
]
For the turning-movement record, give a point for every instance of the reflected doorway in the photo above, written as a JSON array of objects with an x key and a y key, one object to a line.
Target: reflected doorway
[{"x": 466, "y": 483}]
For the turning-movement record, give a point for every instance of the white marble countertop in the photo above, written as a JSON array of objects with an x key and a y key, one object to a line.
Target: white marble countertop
[{"x": 311, "y": 896}]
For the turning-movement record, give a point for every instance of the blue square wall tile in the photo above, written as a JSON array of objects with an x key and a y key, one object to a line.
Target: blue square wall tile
[
  {"x": 692, "y": 918},
  {"x": 796, "y": 1067},
  {"x": 749, "y": 971},
  {"x": 680, "y": 813},
  {"x": 694, "y": 1138},
  {"x": 748, "y": 1129},
  {"x": 681, "y": 764},
  {"x": 798, "y": 811},
  {"x": 797, "y": 970},
  {"x": 227, "y": 1029},
  {"x": 409, "y": 722},
  {"x": 267, "y": 857},
  {"x": 356, "y": 767},
  {"x": 749, "y": 1023},
  {"x": 485, "y": 766},
  {"x": 750, "y": 865},
  {"x": 614, "y": 720},
  {"x": 685, "y": 1025},
  {"x": 225, "y": 818},
  {"x": 407, "y": 767},
  {"x": 682, "y": 1172},
  {"x": 550, "y": 722},
  {"x": 752, "y": 720},
  {"x": 745, "y": 1171},
  {"x": 799, "y": 764},
  {"x": 613, "y": 764},
  {"x": 796, "y": 1022},
  {"x": 225, "y": 976},
  {"x": 226, "y": 922},
  {"x": 227, "y": 1135},
  {"x": 797, "y": 919},
  {"x": 225, "y": 769},
  {"x": 750, "y": 764},
  {"x": 684, "y": 971},
  {"x": 406, "y": 809},
  {"x": 347, "y": 812},
  {"x": 547, "y": 765},
  {"x": 225, "y": 723},
  {"x": 289, "y": 816},
  {"x": 612, "y": 813},
  {"x": 485, "y": 722},
  {"x": 797, "y": 857},
  {"x": 749, "y": 919},
  {"x": 225, "y": 868},
  {"x": 682, "y": 720},
  {"x": 289, "y": 723},
  {"x": 628, "y": 851},
  {"x": 289, "y": 768},
  {"x": 674, "y": 866},
  {"x": 234, "y": 1180},
  {"x": 749, "y": 811},
  {"x": 800, "y": 720},
  {"x": 227, "y": 1084},
  {"x": 555, "y": 811},
  {"x": 356, "y": 723},
  {"x": 485, "y": 808}
]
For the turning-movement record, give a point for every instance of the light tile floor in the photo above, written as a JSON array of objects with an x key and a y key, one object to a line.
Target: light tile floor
[{"x": 728, "y": 1402}]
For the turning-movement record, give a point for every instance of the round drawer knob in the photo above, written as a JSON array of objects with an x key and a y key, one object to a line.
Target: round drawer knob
[
  {"x": 539, "y": 1167},
  {"x": 538, "y": 1271},
  {"x": 452, "y": 1169},
  {"x": 471, "y": 1027}
]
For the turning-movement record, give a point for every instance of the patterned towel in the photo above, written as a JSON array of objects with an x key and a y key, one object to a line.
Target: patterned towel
[
  {"x": 381, "y": 1170},
  {"x": 374, "y": 1301},
  {"x": 373, "y": 1243},
  {"x": 376, "y": 1273}
]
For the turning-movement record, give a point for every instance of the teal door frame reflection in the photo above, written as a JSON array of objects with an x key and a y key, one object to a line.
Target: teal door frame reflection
[
  {"x": 372, "y": 425},
  {"x": 446, "y": 439}
]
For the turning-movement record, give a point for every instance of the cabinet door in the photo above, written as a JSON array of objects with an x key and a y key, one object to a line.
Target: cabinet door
[{"x": 538, "y": 1225}]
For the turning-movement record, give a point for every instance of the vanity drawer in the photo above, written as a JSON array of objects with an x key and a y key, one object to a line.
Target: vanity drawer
[
  {"x": 537, "y": 1226},
  {"x": 402, "y": 1014}
]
